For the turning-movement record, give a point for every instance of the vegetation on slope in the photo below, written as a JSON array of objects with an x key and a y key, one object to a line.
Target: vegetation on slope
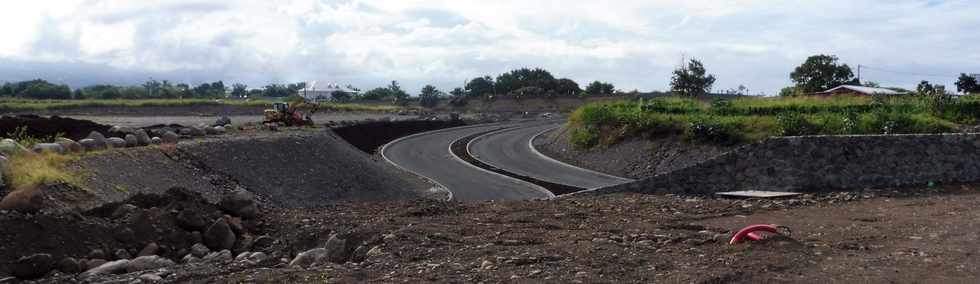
[
  {"x": 26, "y": 105},
  {"x": 748, "y": 119}
]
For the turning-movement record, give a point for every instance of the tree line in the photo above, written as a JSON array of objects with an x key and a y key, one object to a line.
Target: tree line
[
  {"x": 824, "y": 72},
  {"x": 151, "y": 89}
]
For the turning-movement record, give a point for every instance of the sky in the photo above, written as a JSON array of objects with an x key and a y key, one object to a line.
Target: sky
[{"x": 632, "y": 44}]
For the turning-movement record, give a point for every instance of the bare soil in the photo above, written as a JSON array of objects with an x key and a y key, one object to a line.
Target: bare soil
[{"x": 635, "y": 158}]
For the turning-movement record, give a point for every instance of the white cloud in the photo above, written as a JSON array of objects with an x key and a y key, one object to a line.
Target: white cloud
[{"x": 633, "y": 44}]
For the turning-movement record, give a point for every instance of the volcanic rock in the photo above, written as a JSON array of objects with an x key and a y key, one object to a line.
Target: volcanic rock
[
  {"x": 142, "y": 138},
  {"x": 170, "y": 137},
  {"x": 116, "y": 142},
  {"x": 239, "y": 203},
  {"x": 48, "y": 148},
  {"x": 219, "y": 236},
  {"x": 33, "y": 266},
  {"x": 10, "y": 148},
  {"x": 148, "y": 262},
  {"x": 309, "y": 258},
  {"x": 132, "y": 141}
]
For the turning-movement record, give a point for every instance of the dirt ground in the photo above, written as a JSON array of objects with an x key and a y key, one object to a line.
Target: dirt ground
[{"x": 909, "y": 235}]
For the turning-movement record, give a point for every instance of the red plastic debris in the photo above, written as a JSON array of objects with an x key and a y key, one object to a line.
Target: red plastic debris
[{"x": 750, "y": 233}]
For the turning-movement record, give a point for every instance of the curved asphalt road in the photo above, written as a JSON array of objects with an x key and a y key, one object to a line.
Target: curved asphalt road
[
  {"x": 427, "y": 154},
  {"x": 511, "y": 150}
]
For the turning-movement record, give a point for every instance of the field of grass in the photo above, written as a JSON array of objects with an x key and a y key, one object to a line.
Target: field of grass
[
  {"x": 26, "y": 105},
  {"x": 742, "y": 120}
]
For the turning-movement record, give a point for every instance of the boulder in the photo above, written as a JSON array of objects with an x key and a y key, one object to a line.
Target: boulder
[
  {"x": 309, "y": 258},
  {"x": 262, "y": 243},
  {"x": 150, "y": 278},
  {"x": 112, "y": 267},
  {"x": 142, "y": 138},
  {"x": 10, "y": 148},
  {"x": 224, "y": 120},
  {"x": 26, "y": 199},
  {"x": 123, "y": 254},
  {"x": 116, "y": 142},
  {"x": 191, "y": 220},
  {"x": 198, "y": 132},
  {"x": 223, "y": 256},
  {"x": 132, "y": 141},
  {"x": 199, "y": 250},
  {"x": 98, "y": 137},
  {"x": 70, "y": 265},
  {"x": 124, "y": 210},
  {"x": 97, "y": 254},
  {"x": 156, "y": 140},
  {"x": 93, "y": 263},
  {"x": 211, "y": 130},
  {"x": 337, "y": 249},
  {"x": 33, "y": 266},
  {"x": 150, "y": 249},
  {"x": 170, "y": 137},
  {"x": 91, "y": 145},
  {"x": 240, "y": 203},
  {"x": 70, "y": 145},
  {"x": 219, "y": 236},
  {"x": 220, "y": 130},
  {"x": 190, "y": 259},
  {"x": 186, "y": 131},
  {"x": 147, "y": 263},
  {"x": 48, "y": 148}
]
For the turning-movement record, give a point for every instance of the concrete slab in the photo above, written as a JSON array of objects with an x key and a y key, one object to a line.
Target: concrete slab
[{"x": 757, "y": 194}]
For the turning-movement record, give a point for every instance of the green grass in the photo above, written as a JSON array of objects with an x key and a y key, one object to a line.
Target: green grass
[
  {"x": 27, "y": 105},
  {"x": 742, "y": 120}
]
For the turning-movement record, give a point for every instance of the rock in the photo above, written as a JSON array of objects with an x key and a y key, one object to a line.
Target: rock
[
  {"x": 10, "y": 148},
  {"x": 70, "y": 145},
  {"x": 70, "y": 265},
  {"x": 224, "y": 120},
  {"x": 190, "y": 259},
  {"x": 116, "y": 142},
  {"x": 235, "y": 224},
  {"x": 197, "y": 132},
  {"x": 186, "y": 131},
  {"x": 360, "y": 254},
  {"x": 211, "y": 130},
  {"x": 27, "y": 199},
  {"x": 131, "y": 140},
  {"x": 142, "y": 138},
  {"x": 33, "y": 266},
  {"x": 256, "y": 258},
  {"x": 98, "y": 137},
  {"x": 309, "y": 258},
  {"x": 119, "y": 131},
  {"x": 223, "y": 256},
  {"x": 220, "y": 130},
  {"x": 240, "y": 203},
  {"x": 112, "y": 267},
  {"x": 124, "y": 210},
  {"x": 219, "y": 236},
  {"x": 48, "y": 148},
  {"x": 150, "y": 278},
  {"x": 199, "y": 250},
  {"x": 149, "y": 249},
  {"x": 486, "y": 265},
  {"x": 337, "y": 249},
  {"x": 374, "y": 252},
  {"x": 93, "y": 263},
  {"x": 242, "y": 256},
  {"x": 96, "y": 254},
  {"x": 191, "y": 220},
  {"x": 147, "y": 263},
  {"x": 122, "y": 254},
  {"x": 124, "y": 235},
  {"x": 262, "y": 243},
  {"x": 90, "y": 145},
  {"x": 170, "y": 137},
  {"x": 156, "y": 140}
]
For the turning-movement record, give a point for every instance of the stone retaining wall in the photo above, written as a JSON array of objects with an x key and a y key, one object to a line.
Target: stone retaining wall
[{"x": 820, "y": 163}]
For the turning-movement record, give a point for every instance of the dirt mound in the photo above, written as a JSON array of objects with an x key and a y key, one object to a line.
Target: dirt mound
[
  {"x": 369, "y": 136},
  {"x": 99, "y": 233},
  {"x": 303, "y": 169},
  {"x": 634, "y": 158},
  {"x": 41, "y": 127}
]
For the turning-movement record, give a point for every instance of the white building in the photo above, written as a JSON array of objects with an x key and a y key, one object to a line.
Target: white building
[{"x": 319, "y": 91}]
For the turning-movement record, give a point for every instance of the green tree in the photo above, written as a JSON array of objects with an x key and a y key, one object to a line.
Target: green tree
[
  {"x": 967, "y": 84},
  {"x": 398, "y": 96},
  {"x": 377, "y": 94},
  {"x": 924, "y": 88},
  {"x": 340, "y": 96},
  {"x": 692, "y": 81},
  {"x": 276, "y": 91},
  {"x": 429, "y": 96},
  {"x": 597, "y": 88},
  {"x": 479, "y": 86},
  {"x": 820, "y": 73},
  {"x": 788, "y": 91},
  {"x": 239, "y": 90},
  {"x": 524, "y": 77},
  {"x": 567, "y": 87}
]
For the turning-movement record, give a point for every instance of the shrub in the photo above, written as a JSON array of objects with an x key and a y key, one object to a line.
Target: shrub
[
  {"x": 795, "y": 124},
  {"x": 40, "y": 169},
  {"x": 584, "y": 137},
  {"x": 714, "y": 130}
]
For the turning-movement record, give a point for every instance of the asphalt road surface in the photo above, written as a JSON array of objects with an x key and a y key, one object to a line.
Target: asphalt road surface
[
  {"x": 511, "y": 150},
  {"x": 427, "y": 154}
]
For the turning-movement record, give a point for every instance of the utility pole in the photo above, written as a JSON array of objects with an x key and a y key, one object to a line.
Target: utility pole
[{"x": 859, "y": 74}]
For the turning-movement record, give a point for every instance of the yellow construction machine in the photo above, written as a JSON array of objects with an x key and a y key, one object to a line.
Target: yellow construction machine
[{"x": 288, "y": 114}]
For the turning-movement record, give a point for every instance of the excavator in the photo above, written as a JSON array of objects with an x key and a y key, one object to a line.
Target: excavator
[{"x": 288, "y": 114}]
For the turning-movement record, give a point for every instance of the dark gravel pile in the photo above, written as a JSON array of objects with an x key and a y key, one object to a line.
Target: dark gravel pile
[
  {"x": 370, "y": 136},
  {"x": 47, "y": 127}
]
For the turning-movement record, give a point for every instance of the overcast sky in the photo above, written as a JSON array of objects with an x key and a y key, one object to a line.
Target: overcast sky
[{"x": 632, "y": 44}]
